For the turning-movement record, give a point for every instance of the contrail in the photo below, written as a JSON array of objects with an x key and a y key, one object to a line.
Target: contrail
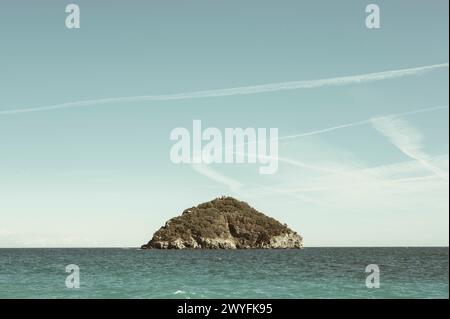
[
  {"x": 212, "y": 174},
  {"x": 408, "y": 140},
  {"x": 273, "y": 87},
  {"x": 341, "y": 126},
  {"x": 363, "y": 122}
]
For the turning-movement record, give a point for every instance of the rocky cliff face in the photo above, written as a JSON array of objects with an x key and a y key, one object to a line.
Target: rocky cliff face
[{"x": 224, "y": 223}]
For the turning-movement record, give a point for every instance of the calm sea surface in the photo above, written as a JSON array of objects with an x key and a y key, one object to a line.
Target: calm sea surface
[{"x": 307, "y": 273}]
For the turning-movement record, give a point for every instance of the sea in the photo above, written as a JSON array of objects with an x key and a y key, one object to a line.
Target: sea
[{"x": 194, "y": 274}]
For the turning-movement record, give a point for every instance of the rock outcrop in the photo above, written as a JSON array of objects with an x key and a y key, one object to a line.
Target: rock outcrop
[{"x": 224, "y": 223}]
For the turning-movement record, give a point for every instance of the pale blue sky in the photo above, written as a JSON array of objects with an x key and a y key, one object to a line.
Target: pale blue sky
[{"x": 101, "y": 175}]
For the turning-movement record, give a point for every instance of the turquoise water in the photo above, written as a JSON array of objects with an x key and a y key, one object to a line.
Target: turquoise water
[{"x": 307, "y": 273}]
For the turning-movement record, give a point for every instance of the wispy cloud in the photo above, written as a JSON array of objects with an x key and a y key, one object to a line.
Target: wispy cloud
[
  {"x": 408, "y": 140},
  {"x": 362, "y": 122},
  {"x": 5, "y": 232},
  {"x": 245, "y": 90},
  {"x": 382, "y": 177},
  {"x": 215, "y": 176},
  {"x": 343, "y": 126},
  {"x": 398, "y": 131},
  {"x": 379, "y": 189}
]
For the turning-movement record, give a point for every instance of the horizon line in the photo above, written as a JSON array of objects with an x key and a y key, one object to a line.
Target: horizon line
[{"x": 205, "y": 249}]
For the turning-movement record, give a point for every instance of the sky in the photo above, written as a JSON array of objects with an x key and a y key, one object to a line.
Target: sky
[{"x": 363, "y": 158}]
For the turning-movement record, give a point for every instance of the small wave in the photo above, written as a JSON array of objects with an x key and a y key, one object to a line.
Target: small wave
[{"x": 179, "y": 292}]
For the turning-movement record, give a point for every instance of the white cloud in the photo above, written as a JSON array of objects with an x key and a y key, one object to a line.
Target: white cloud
[
  {"x": 5, "y": 232},
  {"x": 408, "y": 140}
]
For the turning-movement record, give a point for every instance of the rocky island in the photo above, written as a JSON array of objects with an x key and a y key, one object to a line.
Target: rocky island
[{"x": 223, "y": 223}]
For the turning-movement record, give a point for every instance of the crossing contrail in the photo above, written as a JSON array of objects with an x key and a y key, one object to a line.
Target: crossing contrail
[
  {"x": 362, "y": 122},
  {"x": 342, "y": 126},
  {"x": 218, "y": 177},
  {"x": 245, "y": 90}
]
